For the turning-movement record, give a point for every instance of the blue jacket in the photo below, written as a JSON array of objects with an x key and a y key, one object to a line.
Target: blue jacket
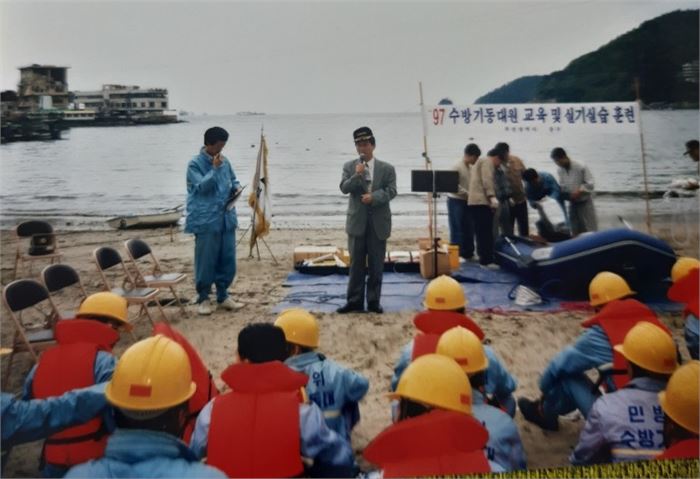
[
  {"x": 499, "y": 382},
  {"x": 591, "y": 349},
  {"x": 24, "y": 421},
  {"x": 142, "y": 453},
  {"x": 318, "y": 442},
  {"x": 208, "y": 190},
  {"x": 548, "y": 187},
  {"x": 504, "y": 447},
  {"x": 626, "y": 425},
  {"x": 335, "y": 389}
]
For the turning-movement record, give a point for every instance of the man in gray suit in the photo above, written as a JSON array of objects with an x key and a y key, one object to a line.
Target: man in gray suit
[{"x": 371, "y": 185}]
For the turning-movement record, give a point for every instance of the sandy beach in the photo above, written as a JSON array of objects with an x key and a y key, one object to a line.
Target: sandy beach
[{"x": 369, "y": 343}]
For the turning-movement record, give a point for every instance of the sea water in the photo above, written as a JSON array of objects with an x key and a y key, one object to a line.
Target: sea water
[{"x": 94, "y": 173}]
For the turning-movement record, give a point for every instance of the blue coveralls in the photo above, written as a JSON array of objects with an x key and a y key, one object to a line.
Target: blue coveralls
[
  {"x": 499, "y": 381},
  {"x": 626, "y": 425},
  {"x": 564, "y": 385},
  {"x": 143, "y": 453},
  {"x": 318, "y": 442},
  {"x": 25, "y": 421},
  {"x": 504, "y": 447},
  {"x": 213, "y": 226},
  {"x": 692, "y": 330},
  {"x": 335, "y": 389},
  {"x": 103, "y": 369}
]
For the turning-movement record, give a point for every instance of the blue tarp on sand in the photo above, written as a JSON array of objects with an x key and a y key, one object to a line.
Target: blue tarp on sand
[{"x": 486, "y": 290}]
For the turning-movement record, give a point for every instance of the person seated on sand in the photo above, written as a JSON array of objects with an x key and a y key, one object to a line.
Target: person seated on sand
[
  {"x": 436, "y": 433},
  {"x": 276, "y": 426},
  {"x": 680, "y": 403},
  {"x": 628, "y": 424},
  {"x": 564, "y": 384},
  {"x": 27, "y": 421},
  {"x": 149, "y": 390},
  {"x": 686, "y": 289},
  {"x": 335, "y": 389},
  {"x": 504, "y": 446},
  {"x": 445, "y": 302},
  {"x": 83, "y": 357}
]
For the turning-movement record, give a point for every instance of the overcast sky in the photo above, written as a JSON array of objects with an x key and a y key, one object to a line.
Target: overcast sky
[{"x": 309, "y": 57}]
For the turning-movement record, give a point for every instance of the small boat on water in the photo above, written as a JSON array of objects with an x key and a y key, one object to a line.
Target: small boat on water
[{"x": 169, "y": 217}]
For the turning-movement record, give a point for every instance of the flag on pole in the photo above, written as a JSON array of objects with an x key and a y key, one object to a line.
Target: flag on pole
[{"x": 259, "y": 198}]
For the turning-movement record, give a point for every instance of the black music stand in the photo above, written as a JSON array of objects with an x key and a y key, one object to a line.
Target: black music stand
[{"x": 435, "y": 181}]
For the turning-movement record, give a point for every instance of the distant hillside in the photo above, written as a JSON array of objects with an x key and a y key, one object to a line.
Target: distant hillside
[
  {"x": 522, "y": 90},
  {"x": 662, "y": 53}
]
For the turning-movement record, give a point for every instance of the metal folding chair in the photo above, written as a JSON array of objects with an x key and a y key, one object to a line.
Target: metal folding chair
[
  {"x": 57, "y": 277},
  {"x": 134, "y": 293},
  {"x": 23, "y": 297},
  {"x": 136, "y": 249},
  {"x": 42, "y": 244}
]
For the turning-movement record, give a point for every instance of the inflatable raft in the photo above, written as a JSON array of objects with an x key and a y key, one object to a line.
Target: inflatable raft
[{"x": 566, "y": 268}]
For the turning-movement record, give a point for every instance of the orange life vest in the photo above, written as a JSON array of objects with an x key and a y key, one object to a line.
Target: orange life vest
[
  {"x": 688, "y": 449},
  {"x": 617, "y": 318},
  {"x": 206, "y": 388},
  {"x": 687, "y": 291},
  {"x": 254, "y": 429},
  {"x": 432, "y": 324},
  {"x": 438, "y": 443},
  {"x": 71, "y": 365}
]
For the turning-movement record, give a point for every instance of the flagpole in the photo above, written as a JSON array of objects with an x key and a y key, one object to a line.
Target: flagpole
[
  {"x": 428, "y": 165},
  {"x": 644, "y": 156}
]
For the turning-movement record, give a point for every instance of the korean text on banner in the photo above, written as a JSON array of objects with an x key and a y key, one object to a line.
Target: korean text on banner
[{"x": 612, "y": 117}]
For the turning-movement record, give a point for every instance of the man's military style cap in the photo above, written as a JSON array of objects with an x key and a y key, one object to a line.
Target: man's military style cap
[{"x": 362, "y": 134}]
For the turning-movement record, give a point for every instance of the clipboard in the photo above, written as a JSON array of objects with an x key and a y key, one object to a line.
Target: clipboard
[{"x": 233, "y": 197}]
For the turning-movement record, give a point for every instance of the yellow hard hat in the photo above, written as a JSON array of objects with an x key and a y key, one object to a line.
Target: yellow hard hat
[
  {"x": 444, "y": 294},
  {"x": 437, "y": 381},
  {"x": 649, "y": 347},
  {"x": 683, "y": 266},
  {"x": 152, "y": 375},
  {"x": 465, "y": 348},
  {"x": 606, "y": 287},
  {"x": 106, "y": 305},
  {"x": 299, "y": 326},
  {"x": 680, "y": 399}
]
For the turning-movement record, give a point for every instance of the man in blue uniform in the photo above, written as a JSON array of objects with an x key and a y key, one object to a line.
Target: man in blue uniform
[
  {"x": 211, "y": 217},
  {"x": 504, "y": 446},
  {"x": 444, "y": 295},
  {"x": 335, "y": 389},
  {"x": 564, "y": 384},
  {"x": 628, "y": 425},
  {"x": 259, "y": 377},
  {"x": 149, "y": 390}
]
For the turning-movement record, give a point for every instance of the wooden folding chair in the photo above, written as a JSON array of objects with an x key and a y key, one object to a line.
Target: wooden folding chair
[
  {"x": 136, "y": 249},
  {"x": 42, "y": 244},
  {"x": 57, "y": 277},
  {"x": 19, "y": 296},
  {"x": 134, "y": 293}
]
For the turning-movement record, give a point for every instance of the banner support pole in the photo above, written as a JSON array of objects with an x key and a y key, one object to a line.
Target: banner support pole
[
  {"x": 644, "y": 156},
  {"x": 428, "y": 166}
]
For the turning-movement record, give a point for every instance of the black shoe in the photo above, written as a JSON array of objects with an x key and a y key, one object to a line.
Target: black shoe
[
  {"x": 349, "y": 308},
  {"x": 375, "y": 308},
  {"x": 532, "y": 411}
]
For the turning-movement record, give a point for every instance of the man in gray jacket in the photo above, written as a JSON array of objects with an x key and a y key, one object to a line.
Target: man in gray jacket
[
  {"x": 371, "y": 185},
  {"x": 576, "y": 184}
]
